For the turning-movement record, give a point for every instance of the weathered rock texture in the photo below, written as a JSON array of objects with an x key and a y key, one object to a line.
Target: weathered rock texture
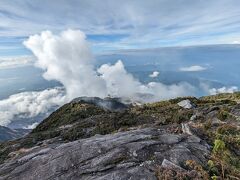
[{"x": 125, "y": 155}]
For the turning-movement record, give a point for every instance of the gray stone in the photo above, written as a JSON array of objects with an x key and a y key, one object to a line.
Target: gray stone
[
  {"x": 187, "y": 104},
  {"x": 169, "y": 165},
  {"x": 193, "y": 117},
  {"x": 123, "y": 155}
]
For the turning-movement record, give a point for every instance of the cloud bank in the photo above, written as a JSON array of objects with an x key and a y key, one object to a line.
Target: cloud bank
[
  {"x": 223, "y": 89},
  {"x": 14, "y": 62},
  {"x": 194, "y": 68},
  {"x": 213, "y": 91},
  {"x": 67, "y": 58},
  {"x": 30, "y": 104}
]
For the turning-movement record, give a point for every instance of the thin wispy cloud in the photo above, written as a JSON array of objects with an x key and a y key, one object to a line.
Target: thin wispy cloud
[
  {"x": 194, "y": 68},
  {"x": 14, "y": 62},
  {"x": 126, "y": 24}
]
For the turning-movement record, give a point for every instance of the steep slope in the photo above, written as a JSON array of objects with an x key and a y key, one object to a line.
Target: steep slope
[{"x": 85, "y": 139}]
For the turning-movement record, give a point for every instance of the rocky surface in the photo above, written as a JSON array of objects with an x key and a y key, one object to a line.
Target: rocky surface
[
  {"x": 187, "y": 104},
  {"x": 88, "y": 139},
  {"x": 132, "y": 154}
]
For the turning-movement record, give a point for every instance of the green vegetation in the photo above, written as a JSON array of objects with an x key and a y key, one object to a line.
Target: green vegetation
[
  {"x": 68, "y": 114},
  {"x": 233, "y": 97},
  {"x": 165, "y": 112},
  {"x": 223, "y": 164},
  {"x": 195, "y": 171},
  {"x": 80, "y": 120}
]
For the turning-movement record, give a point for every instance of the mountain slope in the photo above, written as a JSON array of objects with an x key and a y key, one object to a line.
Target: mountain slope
[
  {"x": 85, "y": 140},
  {"x": 10, "y": 134}
]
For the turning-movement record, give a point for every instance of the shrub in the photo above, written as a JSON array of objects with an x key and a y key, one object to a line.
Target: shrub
[{"x": 219, "y": 146}]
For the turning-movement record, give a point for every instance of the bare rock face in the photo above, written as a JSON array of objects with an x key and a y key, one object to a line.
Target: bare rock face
[
  {"x": 187, "y": 104},
  {"x": 132, "y": 154}
]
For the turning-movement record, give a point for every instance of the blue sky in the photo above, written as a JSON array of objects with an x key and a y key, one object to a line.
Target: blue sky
[
  {"x": 125, "y": 24},
  {"x": 134, "y": 31}
]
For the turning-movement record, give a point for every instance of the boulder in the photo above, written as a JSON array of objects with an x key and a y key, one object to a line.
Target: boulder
[{"x": 186, "y": 104}]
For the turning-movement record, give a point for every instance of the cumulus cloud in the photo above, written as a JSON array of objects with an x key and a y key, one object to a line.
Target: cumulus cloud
[
  {"x": 30, "y": 104},
  {"x": 122, "y": 84},
  {"x": 223, "y": 89},
  {"x": 193, "y": 68},
  {"x": 14, "y": 62},
  {"x": 118, "y": 81},
  {"x": 154, "y": 74},
  {"x": 67, "y": 58}
]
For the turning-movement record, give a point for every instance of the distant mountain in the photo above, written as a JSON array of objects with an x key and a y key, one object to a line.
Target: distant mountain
[{"x": 10, "y": 134}]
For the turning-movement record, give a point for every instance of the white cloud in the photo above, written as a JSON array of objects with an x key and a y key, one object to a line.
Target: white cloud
[
  {"x": 29, "y": 104},
  {"x": 213, "y": 91},
  {"x": 68, "y": 59},
  {"x": 122, "y": 84},
  {"x": 32, "y": 126},
  {"x": 193, "y": 68},
  {"x": 146, "y": 23},
  {"x": 236, "y": 42},
  {"x": 223, "y": 89},
  {"x": 154, "y": 74},
  {"x": 118, "y": 81},
  {"x": 162, "y": 91},
  {"x": 13, "y": 62}
]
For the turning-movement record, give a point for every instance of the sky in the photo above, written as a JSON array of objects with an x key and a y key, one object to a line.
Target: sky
[
  {"x": 113, "y": 25},
  {"x": 52, "y": 51}
]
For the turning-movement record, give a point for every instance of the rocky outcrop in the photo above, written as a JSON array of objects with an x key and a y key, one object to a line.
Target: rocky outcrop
[
  {"x": 132, "y": 154},
  {"x": 187, "y": 104},
  {"x": 93, "y": 138}
]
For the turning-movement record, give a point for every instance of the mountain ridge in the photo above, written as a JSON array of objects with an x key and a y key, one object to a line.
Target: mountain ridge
[{"x": 162, "y": 140}]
